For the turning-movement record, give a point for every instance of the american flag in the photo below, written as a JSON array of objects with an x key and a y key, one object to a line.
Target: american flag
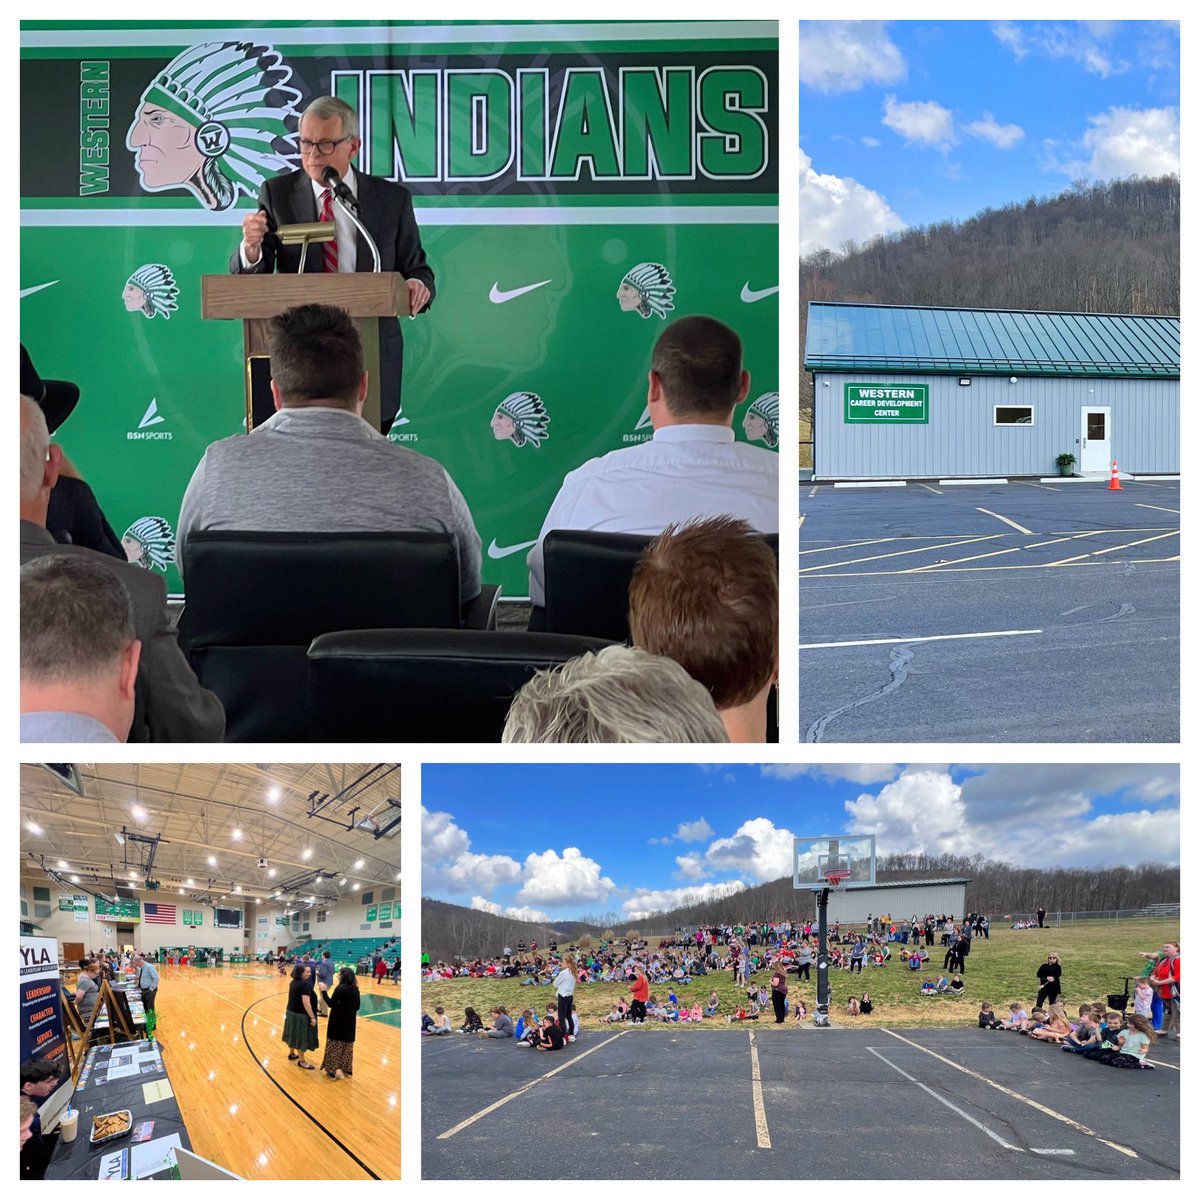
[{"x": 159, "y": 914}]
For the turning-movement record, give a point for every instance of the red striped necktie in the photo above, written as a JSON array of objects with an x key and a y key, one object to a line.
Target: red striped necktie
[{"x": 330, "y": 248}]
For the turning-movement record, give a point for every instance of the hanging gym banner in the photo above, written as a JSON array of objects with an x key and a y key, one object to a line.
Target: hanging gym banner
[
  {"x": 41, "y": 1001},
  {"x": 576, "y": 186}
]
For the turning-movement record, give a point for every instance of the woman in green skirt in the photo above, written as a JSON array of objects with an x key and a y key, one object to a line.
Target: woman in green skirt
[{"x": 300, "y": 1021}]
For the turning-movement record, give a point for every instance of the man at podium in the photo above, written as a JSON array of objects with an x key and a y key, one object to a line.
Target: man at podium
[{"x": 329, "y": 138}]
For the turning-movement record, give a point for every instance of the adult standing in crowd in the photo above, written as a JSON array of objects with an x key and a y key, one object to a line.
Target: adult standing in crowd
[
  {"x": 639, "y": 994},
  {"x": 300, "y": 1020},
  {"x": 564, "y": 986},
  {"x": 342, "y": 1007},
  {"x": 779, "y": 994},
  {"x": 145, "y": 977},
  {"x": 1041, "y": 916},
  {"x": 1050, "y": 977},
  {"x": 325, "y": 971},
  {"x": 1165, "y": 977}
]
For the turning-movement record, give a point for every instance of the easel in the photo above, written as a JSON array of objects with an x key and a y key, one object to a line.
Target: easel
[{"x": 105, "y": 1000}]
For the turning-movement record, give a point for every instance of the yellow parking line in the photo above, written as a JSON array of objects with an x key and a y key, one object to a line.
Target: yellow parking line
[
  {"x": 900, "y": 553},
  {"x": 1018, "y": 528}
]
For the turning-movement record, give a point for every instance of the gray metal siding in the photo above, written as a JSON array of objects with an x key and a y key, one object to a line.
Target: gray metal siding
[
  {"x": 961, "y": 439},
  {"x": 859, "y": 903}
]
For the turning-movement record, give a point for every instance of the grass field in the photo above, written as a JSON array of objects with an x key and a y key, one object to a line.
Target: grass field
[{"x": 1095, "y": 956}]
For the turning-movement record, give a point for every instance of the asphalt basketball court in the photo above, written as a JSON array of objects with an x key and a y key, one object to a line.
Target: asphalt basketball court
[{"x": 759, "y": 1102}]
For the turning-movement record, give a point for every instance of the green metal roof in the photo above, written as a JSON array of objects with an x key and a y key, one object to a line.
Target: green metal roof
[{"x": 956, "y": 341}]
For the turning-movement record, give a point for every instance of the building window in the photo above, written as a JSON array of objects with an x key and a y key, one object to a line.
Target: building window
[
  {"x": 388, "y": 894},
  {"x": 368, "y": 897},
  {"x": 1010, "y": 414},
  {"x": 41, "y": 893},
  {"x": 321, "y": 917}
]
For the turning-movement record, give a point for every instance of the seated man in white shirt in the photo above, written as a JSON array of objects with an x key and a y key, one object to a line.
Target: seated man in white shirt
[{"x": 691, "y": 468}]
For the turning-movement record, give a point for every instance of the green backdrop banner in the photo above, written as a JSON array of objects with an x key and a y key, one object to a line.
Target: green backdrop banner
[{"x": 576, "y": 185}]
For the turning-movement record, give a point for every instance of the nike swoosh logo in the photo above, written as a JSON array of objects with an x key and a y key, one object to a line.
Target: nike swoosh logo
[
  {"x": 29, "y": 291},
  {"x": 749, "y": 296},
  {"x": 496, "y": 296},
  {"x": 495, "y": 551}
]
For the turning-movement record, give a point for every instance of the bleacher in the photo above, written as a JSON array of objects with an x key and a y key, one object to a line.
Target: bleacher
[{"x": 349, "y": 952}]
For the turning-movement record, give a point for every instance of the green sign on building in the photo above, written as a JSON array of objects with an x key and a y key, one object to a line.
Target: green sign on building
[
  {"x": 371, "y": 913},
  {"x": 385, "y": 912},
  {"x": 887, "y": 404}
]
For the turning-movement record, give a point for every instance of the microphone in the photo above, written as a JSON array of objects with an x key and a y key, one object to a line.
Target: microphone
[{"x": 336, "y": 185}]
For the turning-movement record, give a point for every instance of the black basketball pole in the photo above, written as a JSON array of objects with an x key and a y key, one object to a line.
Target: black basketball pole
[{"x": 821, "y": 1016}]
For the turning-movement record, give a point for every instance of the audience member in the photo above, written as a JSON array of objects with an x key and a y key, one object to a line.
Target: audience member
[
  {"x": 620, "y": 694},
  {"x": 706, "y": 594},
  {"x": 316, "y": 465},
  {"x": 171, "y": 706},
  {"x": 39, "y": 1079},
  {"x": 79, "y": 656},
  {"x": 692, "y": 467}
]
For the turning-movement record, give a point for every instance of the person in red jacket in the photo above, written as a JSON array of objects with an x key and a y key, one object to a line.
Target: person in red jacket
[
  {"x": 1165, "y": 978},
  {"x": 640, "y": 993}
]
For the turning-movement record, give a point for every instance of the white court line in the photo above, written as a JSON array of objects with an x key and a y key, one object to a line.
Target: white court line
[
  {"x": 954, "y": 1107},
  {"x": 1018, "y": 528},
  {"x": 760, "y": 1112},
  {"x": 1158, "y": 508},
  {"x": 491, "y": 1108},
  {"x": 930, "y": 489},
  {"x": 901, "y": 641},
  {"x": 1049, "y": 1112}
]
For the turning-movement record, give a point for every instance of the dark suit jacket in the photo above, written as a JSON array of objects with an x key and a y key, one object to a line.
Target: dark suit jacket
[
  {"x": 171, "y": 706},
  {"x": 75, "y": 517},
  {"x": 386, "y": 209}
]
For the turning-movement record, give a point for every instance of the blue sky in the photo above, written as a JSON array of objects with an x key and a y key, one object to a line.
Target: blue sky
[
  {"x": 564, "y": 841},
  {"x": 905, "y": 123}
]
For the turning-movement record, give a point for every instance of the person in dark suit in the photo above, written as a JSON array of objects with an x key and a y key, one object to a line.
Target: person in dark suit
[
  {"x": 329, "y": 138},
  {"x": 170, "y": 704}
]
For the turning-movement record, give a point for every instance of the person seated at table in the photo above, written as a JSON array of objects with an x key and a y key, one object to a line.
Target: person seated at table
[
  {"x": 87, "y": 988},
  {"x": 40, "y": 1078}
]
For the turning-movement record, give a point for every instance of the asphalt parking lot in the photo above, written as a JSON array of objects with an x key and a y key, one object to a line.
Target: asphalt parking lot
[
  {"x": 1019, "y": 612},
  {"x": 788, "y": 1103}
]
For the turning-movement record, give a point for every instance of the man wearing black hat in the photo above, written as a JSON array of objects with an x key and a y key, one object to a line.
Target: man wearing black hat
[{"x": 74, "y": 515}]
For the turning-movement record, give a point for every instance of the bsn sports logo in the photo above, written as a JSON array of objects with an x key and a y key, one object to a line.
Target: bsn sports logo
[{"x": 144, "y": 433}]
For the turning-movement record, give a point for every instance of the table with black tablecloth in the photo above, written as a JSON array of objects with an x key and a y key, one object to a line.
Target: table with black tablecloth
[{"x": 95, "y": 1094}]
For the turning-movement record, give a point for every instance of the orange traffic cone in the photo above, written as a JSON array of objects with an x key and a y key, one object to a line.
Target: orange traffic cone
[{"x": 1114, "y": 484}]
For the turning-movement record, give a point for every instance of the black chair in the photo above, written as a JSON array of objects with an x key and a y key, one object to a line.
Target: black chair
[
  {"x": 425, "y": 685},
  {"x": 587, "y": 581},
  {"x": 255, "y": 601}
]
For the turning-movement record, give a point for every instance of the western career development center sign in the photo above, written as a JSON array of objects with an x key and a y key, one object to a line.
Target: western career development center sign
[{"x": 887, "y": 404}]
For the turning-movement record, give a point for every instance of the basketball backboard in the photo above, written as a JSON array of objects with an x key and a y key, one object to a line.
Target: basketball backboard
[{"x": 813, "y": 858}]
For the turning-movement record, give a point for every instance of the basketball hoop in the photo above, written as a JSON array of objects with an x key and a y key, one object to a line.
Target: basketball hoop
[{"x": 837, "y": 880}]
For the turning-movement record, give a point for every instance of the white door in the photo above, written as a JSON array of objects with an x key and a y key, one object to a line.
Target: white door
[{"x": 1095, "y": 440}]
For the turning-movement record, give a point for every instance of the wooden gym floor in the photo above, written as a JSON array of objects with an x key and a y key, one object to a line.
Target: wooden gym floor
[{"x": 250, "y": 1110}]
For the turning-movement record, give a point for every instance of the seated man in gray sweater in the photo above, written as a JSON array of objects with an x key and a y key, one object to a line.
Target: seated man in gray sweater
[{"x": 316, "y": 465}]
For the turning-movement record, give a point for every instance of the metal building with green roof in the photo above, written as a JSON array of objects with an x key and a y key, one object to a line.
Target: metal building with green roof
[{"x": 913, "y": 392}]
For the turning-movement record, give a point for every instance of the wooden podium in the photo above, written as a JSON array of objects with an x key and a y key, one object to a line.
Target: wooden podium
[{"x": 254, "y": 299}]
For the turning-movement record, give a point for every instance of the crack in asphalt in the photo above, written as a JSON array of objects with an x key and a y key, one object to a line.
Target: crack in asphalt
[{"x": 898, "y": 664}]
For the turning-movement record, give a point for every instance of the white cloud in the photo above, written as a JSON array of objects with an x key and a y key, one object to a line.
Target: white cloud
[
  {"x": 870, "y": 141},
  {"x": 447, "y": 861},
  {"x": 920, "y": 122},
  {"x": 854, "y": 772},
  {"x": 835, "y": 209},
  {"x": 1004, "y": 137},
  {"x": 555, "y": 880},
  {"x": 757, "y": 847},
  {"x": 921, "y": 812},
  {"x": 1082, "y": 42},
  {"x": 646, "y": 901},
  {"x": 694, "y": 831},
  {"x": 1128, "y": 141},
  {"x": 441, "y": 839},
  {"x": 691, "y": 866},
  {"x": 844, "y": 56},
  {"x": 515, "y": 914},
  {"x": 486, "y": 871}
]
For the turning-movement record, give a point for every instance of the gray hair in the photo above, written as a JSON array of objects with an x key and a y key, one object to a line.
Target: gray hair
[
  {"x": 325, "y": 107},
  {"x": 621, "y": 694},
  {"x": 35, "y": 444},
  {"x": 76, "y": 618}
]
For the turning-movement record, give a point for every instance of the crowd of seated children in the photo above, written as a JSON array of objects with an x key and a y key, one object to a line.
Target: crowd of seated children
[
  {"x": 1085, "y": 1033},
  {"x": 1016, "y": 1018},
  {"x": 744, "y": 1012},
  {"x": 1102, "y": 1035},
  {"x": 1054, "y": 1028},
  {"x": 439, "y": 1023},
  {"x": 915, "y": 959},
  {"x": 527, "y": 1025}
]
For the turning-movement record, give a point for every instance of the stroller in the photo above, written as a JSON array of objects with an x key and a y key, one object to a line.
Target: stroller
[{"x": 1119, "y": 1001}]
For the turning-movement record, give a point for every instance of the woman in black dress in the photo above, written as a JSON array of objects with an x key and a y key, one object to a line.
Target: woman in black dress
[
  {"x": 1050, "y": 976},
  {"x": 338, "y": 1062},
  {"x": 300, "y": 1020}
]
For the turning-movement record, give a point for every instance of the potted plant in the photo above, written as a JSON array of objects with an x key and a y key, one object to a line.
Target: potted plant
[{"x": 1065, "y": 464}]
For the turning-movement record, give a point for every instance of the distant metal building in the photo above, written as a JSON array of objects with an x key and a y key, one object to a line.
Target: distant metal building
[
  {"x": 963, "y": 392},
  {"x": 899, "y": 900}
]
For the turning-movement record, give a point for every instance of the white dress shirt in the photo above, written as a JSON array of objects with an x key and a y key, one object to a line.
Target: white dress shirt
[{"x": 684, "y": 472}]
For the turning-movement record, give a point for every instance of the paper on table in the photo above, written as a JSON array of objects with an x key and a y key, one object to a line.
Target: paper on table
[
  {"x": 153, "y": 1156},
  {"x": 122, "y": 1072},
  {"x": 160, "y": 1089}
]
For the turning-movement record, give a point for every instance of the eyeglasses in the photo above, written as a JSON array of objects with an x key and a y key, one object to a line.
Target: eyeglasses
[{"x": 325, "y": 149}]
